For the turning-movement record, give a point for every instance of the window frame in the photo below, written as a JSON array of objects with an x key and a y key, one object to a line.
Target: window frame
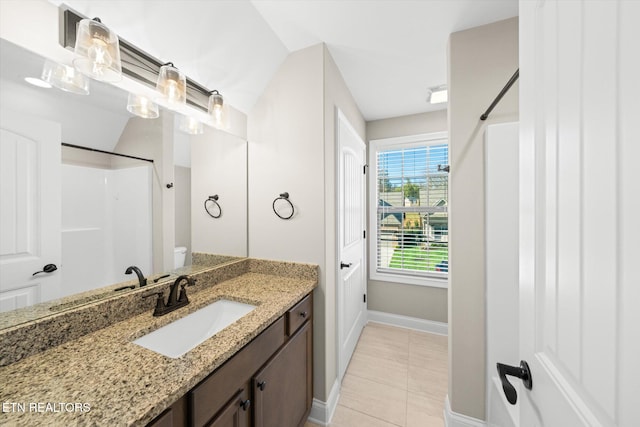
[{"x": 376, "y": 145}]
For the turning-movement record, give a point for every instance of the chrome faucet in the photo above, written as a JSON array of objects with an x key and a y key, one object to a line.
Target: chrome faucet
[
  {"x": 174, "y": 301},
  {"x": 141, "y": 280}
]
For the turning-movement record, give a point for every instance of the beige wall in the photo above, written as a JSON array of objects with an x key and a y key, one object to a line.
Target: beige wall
[
  {"x": 481, "y": 60},
  {"x": 286, "y": 153},
  {"x": 292, "y": 148},
  {"x": 414, "y": 124},
  {"x": 219, "y": 166},
  {"x": 422, "y": 302}
]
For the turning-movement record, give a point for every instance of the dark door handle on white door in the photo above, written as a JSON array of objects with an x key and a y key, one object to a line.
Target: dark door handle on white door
[
  {"x": 49, "y": 268},
  {"x": 521, "y": 372},
  {"x": 344, "y": 265}
]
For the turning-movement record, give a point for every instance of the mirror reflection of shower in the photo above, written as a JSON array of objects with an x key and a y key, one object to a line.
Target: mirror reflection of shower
[{"x": 106, "y": 220}]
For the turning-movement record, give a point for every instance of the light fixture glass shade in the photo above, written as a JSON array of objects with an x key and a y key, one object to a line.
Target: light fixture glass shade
[
  {"x": 142, "y": 106},
  {"x": 98, "y": 51},
  {"x": 172, "y": 84},
  {"x": 38, "y": 82},
  {"x": 191, "y": 126},
  {"x": 65, "y": 78},
  {"x": 218, "y": 111}
]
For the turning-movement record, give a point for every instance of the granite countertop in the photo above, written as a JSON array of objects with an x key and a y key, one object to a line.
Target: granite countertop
[{"x": 104, "y": 379}]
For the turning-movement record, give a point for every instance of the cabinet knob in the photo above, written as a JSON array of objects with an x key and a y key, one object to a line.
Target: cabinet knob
[
  {"x": 261, "y": 385},
  {"x": 303, "y": 314},
  {"x": 244, "y": 404}
]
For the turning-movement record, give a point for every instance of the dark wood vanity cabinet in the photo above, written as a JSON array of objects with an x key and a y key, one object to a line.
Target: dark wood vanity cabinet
[
  {"x": 269, "y": 383},
  {"x": 236, "y": 413},
  {"x": 282, "y": 389}
]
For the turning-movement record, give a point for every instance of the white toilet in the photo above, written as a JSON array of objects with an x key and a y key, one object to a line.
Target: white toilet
[{"x": 179, "y": 255}]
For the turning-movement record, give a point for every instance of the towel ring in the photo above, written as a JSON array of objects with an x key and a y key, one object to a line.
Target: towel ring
[
  {"x": 283, "y": 196},
  {"x": 214, "y": 202}
]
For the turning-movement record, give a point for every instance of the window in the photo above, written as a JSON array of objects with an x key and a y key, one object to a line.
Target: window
[{"x": 409, "y": 198}]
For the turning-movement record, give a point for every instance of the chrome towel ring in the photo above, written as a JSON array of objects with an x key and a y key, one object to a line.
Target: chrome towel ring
[{"x": 285, "y": 208}]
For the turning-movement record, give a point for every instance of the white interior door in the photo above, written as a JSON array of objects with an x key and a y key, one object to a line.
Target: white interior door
[
  {"x": 29, "y": 209},
  {"x": 580, "y": 212},
  {"x": 351, "y": 226}
]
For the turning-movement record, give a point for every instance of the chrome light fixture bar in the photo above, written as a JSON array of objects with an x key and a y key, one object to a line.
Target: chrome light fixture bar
[{"x": 136, "y": 63}]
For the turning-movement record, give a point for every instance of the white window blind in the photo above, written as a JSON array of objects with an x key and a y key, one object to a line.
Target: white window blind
[{"x": 412, "y": 223}]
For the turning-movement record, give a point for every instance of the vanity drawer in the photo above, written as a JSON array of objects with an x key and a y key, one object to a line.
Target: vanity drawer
[
  {"x": 208, "y": 397},
  {"x": 299, "y": 314}
]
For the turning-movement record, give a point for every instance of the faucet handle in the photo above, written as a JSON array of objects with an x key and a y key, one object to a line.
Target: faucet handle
[
  {"x": 183, "y": 295},
  {"x": 159, "y": 302},
  {"x": 183, "y": 289},
  {"x": 152, "y": 293}
]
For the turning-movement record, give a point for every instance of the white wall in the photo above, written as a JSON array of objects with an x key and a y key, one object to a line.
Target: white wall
[
  {"x": 422, "y": 302},
  {"x": 182, "y": 186},
  {"x": 481, "y": 60},
  {"x": 218, "y": 166}
]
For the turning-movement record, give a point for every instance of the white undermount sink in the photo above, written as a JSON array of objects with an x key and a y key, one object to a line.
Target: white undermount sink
[{"x": 180, "y": 336}]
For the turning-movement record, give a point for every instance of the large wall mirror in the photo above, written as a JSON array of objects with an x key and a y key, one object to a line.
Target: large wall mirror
[{"x": 93, "y": 214}]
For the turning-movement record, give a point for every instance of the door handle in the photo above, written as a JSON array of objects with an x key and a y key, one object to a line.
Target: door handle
[
  {"x": 523, "y": 372},
  {"x": 344, "y": 265},
  {"x": 49, "y": 268}
]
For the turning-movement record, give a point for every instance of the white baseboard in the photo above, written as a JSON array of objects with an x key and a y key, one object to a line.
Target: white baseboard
[
  {"x": 422, "y": 325},
  {"x": 453, "y": 419},
  {"x": 322, "y": 412}
]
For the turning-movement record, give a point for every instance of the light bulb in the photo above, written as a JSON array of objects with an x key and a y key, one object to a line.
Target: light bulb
[
  {"x": 172, "y": 84},
  {"x": 100, "y": 57}
]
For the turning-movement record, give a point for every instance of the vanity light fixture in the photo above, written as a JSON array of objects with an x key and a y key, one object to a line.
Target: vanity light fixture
[
  {"x": 142, "y": 106},
  {"x": 98, "y": 51},
  {"x": 437, "y": 95},
  {"x": 218, "y": 110},
  {"x": 191, "y": 126},
  {"x": 65, "y": 78},
  {"x": 172, "y": 84}
]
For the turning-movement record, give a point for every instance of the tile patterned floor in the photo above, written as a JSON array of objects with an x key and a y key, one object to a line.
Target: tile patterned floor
[{"x": 397, "y": 377}]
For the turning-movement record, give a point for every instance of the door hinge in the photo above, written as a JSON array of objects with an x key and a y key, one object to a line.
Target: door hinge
[
  {"x": 364, "y": 234},
  {"x": 364, "y": 297},
  {"x": 364, "y": 169}
]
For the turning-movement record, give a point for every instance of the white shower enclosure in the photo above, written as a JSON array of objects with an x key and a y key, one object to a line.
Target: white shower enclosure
[{"x": 106, "y": 225}]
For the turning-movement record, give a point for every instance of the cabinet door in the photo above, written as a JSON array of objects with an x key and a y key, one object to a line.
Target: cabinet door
[
  {"x": 283, "y": 389},
  {"x": 235, "y": 413},
  {"x": 174, "y": 416}
]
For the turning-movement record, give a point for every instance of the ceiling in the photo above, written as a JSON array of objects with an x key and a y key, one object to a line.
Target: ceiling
[{"x": 388, "y": 51}]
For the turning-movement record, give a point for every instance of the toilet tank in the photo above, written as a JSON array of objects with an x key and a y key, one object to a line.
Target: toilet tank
[{"x": 179, "y": 255}]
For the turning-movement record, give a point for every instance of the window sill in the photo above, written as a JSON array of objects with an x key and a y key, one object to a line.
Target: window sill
[{"x": 432, "y": 282}]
